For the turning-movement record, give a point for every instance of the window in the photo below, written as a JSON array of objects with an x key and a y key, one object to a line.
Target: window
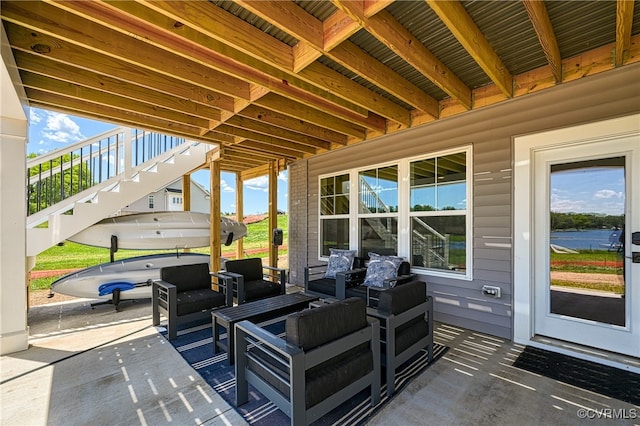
[
  {"x": 151, "y": 202},
  {"x": 438, "y": 212},
  {"x": 417, "y": 208},
  {"x": 378, "y": 211},
  {"x": 334, "y": 213}
]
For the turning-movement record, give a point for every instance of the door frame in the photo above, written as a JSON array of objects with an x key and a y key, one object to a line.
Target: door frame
[{"x": 524, "y": 226}]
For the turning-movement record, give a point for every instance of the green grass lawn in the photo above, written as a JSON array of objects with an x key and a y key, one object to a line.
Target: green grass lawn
[{"x": 71, "y": 255}]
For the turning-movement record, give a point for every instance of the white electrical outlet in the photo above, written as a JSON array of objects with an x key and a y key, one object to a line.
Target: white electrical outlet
[{"x": 492, "y": 291}]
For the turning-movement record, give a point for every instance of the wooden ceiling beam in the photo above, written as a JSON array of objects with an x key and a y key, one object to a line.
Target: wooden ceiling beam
[
  {"x": 239, "y": 149},
  {"x": 224, "y": 27},
  {"x": 259, "y": 137},
  {"x": 297, "y": 110},
  {"x": 304, "y": 26},
  {"x": 266, "y": 129},
  {"x": 358, "y": 61},
  {"x": 24, "y": 40},
  {"x": 392, "y": 34},
  {"x": 270, "y": 149},
  {"x": 95, "y": 97},
  {"x": 539, "y": 18},
  {"x": 99, "y": 112},
  {"x": 624, "y": 21},
  {"x": 56, "y": 22},
  {"x": 275, "y": 118},
  {"x": 89, "y": 79},
  {"x": 455, "y": 17}
]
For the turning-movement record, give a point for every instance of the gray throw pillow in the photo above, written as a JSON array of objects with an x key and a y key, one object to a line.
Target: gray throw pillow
[{"x": 339, "y": 261}]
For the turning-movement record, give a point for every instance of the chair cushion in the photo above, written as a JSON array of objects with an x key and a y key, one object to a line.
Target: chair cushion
[
  {"x": 250, "y": 268},
  {"x": 337, "y": 373},
  {"x": 314, "y": 327},
  {"x": 192, "y": 301},
  {"x": 339, "y": 261},
  {"x": 403, "y": 297},
  {"x": 381, "y": 268},
  {"x": 410, "y": 332},
  {"x": 187, "y": 277},
  {"x": 260, "y": 289},
  {"x": 323, "y": 285}
]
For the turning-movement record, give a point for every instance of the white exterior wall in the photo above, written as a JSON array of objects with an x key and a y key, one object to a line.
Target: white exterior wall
[
  {"x": 162, "y": 200},
  {"x": 14, "y": 332}
]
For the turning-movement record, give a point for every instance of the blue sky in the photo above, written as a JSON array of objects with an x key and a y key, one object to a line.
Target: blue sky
[
  {"x": 50, "y": 130},
  {"x": 591, "y": 190}
]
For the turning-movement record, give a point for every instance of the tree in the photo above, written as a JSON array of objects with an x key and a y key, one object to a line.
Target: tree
[{"x": 60, "y": 178}]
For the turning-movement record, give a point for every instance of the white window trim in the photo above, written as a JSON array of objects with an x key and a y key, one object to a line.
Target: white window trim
[
  {"x": 468, "y": 213},
  {"x": 404, "y": 213},
  {"x": 333, "y": 216}
]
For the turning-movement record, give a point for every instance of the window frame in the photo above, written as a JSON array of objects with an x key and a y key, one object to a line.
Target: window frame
[
  {"x": 467, "y": 212},
  {"x": 322, "y": 217},
  {"x": 404, "y": 215}
]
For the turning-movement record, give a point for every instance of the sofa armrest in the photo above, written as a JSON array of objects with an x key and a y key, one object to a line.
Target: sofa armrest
[
  {"x": 226, "y": 283},
  {"x": 236, "y": 282},
  {"x": 247, "y": 333},
  {"x": 164, "y": 297},
  {"x": 348, "y": 279},
  {"x": 400, "y": 279},
  {"x": 279, "y": 274}
]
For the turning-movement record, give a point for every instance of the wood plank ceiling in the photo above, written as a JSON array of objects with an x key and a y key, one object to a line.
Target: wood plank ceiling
[{"x": 285, "y": 80}]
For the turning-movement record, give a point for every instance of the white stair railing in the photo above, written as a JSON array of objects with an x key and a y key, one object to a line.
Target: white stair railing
[
  {"x": 73, "y": 188},
  {"x": 59, "y": 179}
]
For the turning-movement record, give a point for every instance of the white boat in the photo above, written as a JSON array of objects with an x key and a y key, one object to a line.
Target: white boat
[
  {"x": 161, "y": 230},
  {"x": 130, "y": 277}
]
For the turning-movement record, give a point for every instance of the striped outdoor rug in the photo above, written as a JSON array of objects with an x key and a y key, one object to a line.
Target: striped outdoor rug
[{"x": 195, "y": 346}]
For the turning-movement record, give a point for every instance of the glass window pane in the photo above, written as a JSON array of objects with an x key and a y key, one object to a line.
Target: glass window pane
[
  {"x": 342, "y": 204},
  {"x": 326, "y": 206},
  {"x": 439, "y": 242},
  {"x": 378, "y": 190},
  {"x": 422, "y": 177},
  {"x": 334, "y": 233},
  {"x": 327, "y": 186},
  {"x": 342, "y": 184},
  {"x": 452, "y": 196},
  {"x": 378, "y": 235}
]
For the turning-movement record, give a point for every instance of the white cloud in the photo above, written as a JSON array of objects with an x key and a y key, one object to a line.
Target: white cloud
[
  {"x": 259, "y": 184},
  {"x": 284, "y": 176},
  {"x": 226, "y": 187},
  {"x": 34, "y": 117},
  {"x": 61, "y": 128},
  {"x": 607, "y": 193}
]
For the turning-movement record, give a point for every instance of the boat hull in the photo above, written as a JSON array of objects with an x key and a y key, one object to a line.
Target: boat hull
[
  {"x": 136, "y": 271},
  {"x": 159, "y": 231}
]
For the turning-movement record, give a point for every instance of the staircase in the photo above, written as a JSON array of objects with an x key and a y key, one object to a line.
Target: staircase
[{"x": 79, "y": 185}]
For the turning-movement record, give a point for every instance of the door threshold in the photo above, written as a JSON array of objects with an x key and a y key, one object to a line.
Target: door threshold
[{"x": 612, "y": 359}]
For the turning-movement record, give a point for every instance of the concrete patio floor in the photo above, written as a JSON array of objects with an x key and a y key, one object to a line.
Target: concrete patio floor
[{"x": 98, "y": 366}]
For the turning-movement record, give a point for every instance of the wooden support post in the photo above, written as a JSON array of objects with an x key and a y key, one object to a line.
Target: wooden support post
[
  {"x": 273, "y": 211},
  {"x": 214, "y": 169},
  {"x": 186, "y": 197},
  {"x": 239, "y": 213}
]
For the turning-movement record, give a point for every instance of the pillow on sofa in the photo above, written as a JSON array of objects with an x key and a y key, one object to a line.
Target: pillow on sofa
[
  {"x": 381, "y": 268},
  {"x": 339, "y": 261}
]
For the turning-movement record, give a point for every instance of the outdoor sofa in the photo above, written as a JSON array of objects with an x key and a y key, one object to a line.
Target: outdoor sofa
[{"x": 330, "y": 354}]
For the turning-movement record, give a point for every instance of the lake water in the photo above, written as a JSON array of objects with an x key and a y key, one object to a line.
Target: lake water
[{"x": 590, "y": 239}]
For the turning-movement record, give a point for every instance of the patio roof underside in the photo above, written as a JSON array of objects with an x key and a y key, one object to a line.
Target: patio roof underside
[{"x": 285, "y": 80}]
